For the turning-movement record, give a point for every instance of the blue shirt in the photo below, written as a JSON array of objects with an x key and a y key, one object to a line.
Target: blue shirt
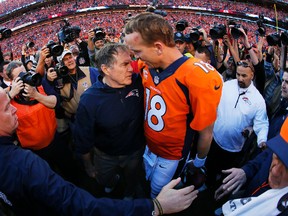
[{"x": 34, "y": 189}]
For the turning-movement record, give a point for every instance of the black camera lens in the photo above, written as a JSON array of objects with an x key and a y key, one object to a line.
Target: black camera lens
[
  {"x": 218, "y": 31},
  {"x": 235, "y": 32},
  {"x": 30, "y": 44},
  {"x": 31, "y": 79},
  {"x": 61, "y": 70},
  {"x": 5, "y": 32},
  {"x": 181, "y": 25},
  {"x": 284, "y": 38},
  {"x": 195, "y": 33},
  {"x": 54, "y": 49},
  {"x": 273, "y": 39}
]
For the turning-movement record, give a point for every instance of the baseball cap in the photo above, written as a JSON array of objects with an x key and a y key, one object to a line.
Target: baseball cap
[
  {"x": 65, "y": 52},
  {"x": 178, "y": 36},
  {"x": 279, "y": 144},
  {"x": 188, "y": 38}
]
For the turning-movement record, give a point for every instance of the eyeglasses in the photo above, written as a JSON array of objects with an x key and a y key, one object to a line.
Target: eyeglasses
[{"x": 245, "y": 64}]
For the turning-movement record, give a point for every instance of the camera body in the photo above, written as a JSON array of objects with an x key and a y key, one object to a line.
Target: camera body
[
  {"x": 195, "y": 33},
  {"x": 153, "y": 9},
  {"x": 99, "y": 33},
  {"x": 274, "y": 39},
  {"x": 235, "y": 32},
  {"x": 30, "y": 44},
  {"x": 54, "y": 49},
  {"x": 217, "y": 31},
  {"x": 181, "y": 25},
  {"x": 61, "y": 70},
  {"x": 5, "y": 32},
  {"x": 261, "y": 27},
  {"x": 284, "y": 38},
  {"x": 31, "y": 79},
  {"x": 68, "y": 33}
]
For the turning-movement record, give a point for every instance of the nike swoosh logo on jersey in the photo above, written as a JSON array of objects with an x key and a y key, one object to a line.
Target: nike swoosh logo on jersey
[{"x": 217, "y": 87}]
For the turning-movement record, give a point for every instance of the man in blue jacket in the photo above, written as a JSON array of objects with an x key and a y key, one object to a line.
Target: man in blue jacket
[
  {"x": 30, "y": 187},
  {"x": 109, "y": 120}
]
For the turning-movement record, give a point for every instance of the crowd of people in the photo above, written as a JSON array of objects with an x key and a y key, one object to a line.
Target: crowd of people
[
  {"x": 111, "y": 22},
  {"x": 126, "y": 104},
  {"x": 244, "y": 7}
]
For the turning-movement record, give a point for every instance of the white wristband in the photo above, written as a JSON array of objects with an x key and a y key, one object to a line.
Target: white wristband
[{"x": 199, "y": 162}]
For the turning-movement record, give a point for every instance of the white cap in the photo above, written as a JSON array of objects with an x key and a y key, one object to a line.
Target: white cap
[{"x": 65, "y": 52}]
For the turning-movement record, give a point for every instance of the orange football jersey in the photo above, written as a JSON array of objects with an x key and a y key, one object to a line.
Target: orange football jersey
[{"x": 182, "y": 98}]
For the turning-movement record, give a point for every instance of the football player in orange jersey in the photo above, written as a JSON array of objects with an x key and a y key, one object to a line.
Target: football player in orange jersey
[{"x": 181, "y": 97}]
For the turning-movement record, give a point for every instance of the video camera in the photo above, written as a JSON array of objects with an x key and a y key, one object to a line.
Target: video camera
[
  {"x": 31, "y": 79},
  {"x": 217, "y": 31},
  {"x": 181, "y": 25},
  {"x": 5, "y": 32},
  {"x": 261, "y": 28},
  {"x": 68, "y": 33},
  {"x": 54, "y": 49}
]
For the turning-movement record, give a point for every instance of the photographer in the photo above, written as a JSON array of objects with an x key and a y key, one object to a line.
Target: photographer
[
  {"x": 238, "y": 32},
  {"x": 96, "y": 40},
  {"x": 82, "y": 56},
  {"x": 75, "y": 80},
  {"x": 37, "y": 122},
  {"x": 28, "y": 55},
  {"x": 45, "y": 60}
]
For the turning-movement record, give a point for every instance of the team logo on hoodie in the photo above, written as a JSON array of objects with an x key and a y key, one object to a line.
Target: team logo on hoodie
[{"x": 134, "y": 92}]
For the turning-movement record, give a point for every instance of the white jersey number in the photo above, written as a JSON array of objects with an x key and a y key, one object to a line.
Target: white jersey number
[
  {"x": 157, "y": 110},
  {"x": 204, "y": 66}
]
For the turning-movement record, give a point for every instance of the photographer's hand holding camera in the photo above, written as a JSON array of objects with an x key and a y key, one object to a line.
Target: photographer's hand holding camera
[
  {"x": 96, "y": 40},
  {"x": 16, "y": 87},
  {"x": 44, "y": 52},
  {"x": 237, "y": 31},
  {"x": 51, "y": 74},
  {"x": 23, "y": 80}
]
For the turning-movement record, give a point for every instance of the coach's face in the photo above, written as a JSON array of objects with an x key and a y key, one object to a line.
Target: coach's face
[{"x": 9, "y": 120}]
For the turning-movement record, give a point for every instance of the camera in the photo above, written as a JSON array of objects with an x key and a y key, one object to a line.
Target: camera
[
  {"x": 181, "y": 25},
  {"x": 31, "y": 79},
  {"x": 153, "y": 9},
  {"x": 54, "y": 49},
  {"x": 195, "y": 33},
  {"x": 68, "y": 33},
  {"x": 274, "y": 39},
  {"x": 260, "y": 23},
  {"x": 284, "y": 38},
  {"x": 30, "y": 44},
  {"x": 5, "y": 32},
  {"x": 235, "y": 32},
  {"x": 218, "y": 31},
  {"x": 99, "y": 34},
  {"x": 61, "y": 70}
]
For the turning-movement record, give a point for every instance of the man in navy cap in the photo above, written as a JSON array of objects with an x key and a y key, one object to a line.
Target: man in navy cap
[
  {"x": 272, "y": 201},
  {"x": 180, "y": 42}
]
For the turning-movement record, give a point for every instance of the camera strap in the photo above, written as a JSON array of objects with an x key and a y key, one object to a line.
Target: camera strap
[{"x": 20, "y": 99}]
